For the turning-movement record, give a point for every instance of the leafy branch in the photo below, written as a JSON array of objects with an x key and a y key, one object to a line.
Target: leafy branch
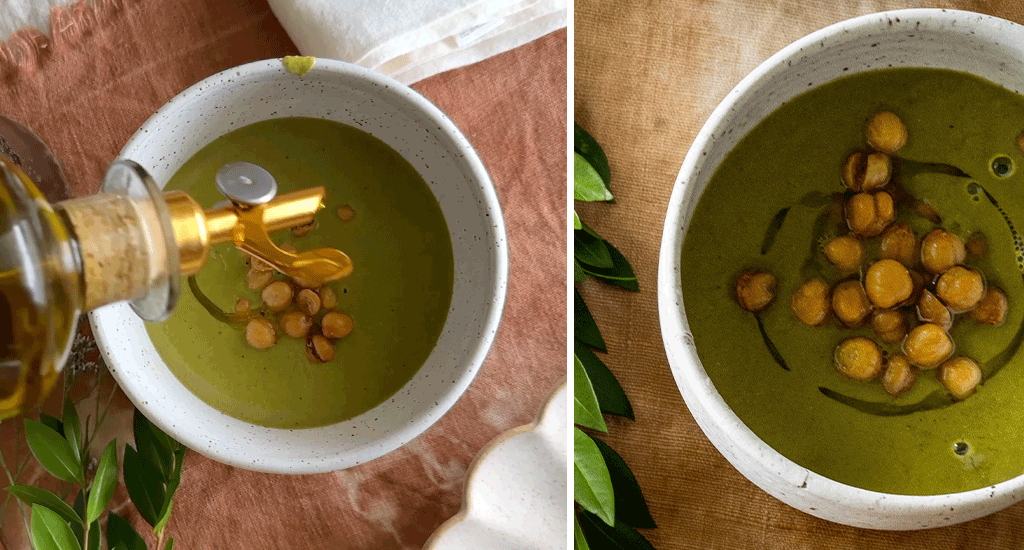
[{"x": 610, "y": 504}]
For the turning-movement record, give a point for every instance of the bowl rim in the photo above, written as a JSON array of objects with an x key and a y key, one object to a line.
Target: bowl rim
[
  {"x": 688, "y": 371},
  {"x": 476, "y": 353}
]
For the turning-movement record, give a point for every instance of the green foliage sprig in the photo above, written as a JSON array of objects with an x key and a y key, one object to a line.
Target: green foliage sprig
[{"x": 610, "y": 504}]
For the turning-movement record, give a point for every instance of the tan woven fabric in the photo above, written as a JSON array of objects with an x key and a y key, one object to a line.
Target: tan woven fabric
[
  {"x": 109, "y": 64},
  {"x": 647, "y": 75}
]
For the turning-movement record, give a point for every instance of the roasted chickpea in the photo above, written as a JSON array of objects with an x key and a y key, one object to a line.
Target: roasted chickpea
[
  {"x": 858, "y": 358},
  {"x": 927, "y": 212},
  {"x": 888, "y": 283},
  {"x": 960, "y": 375},
  {"x": 899, "y": 375},
  {"x": 886, "y": 132},
  {"x": 328, "y": 299},
  {"x": 899, "y": 243},
  {"x": 976, "y": 245},
  {"x": 991, "y": 309},
  {"x": 259, "y": 265},
  {"x": 931, "y": 310},
  {"x": 755, "y": 290},
  {"x": 889, "y": 324},
  {"x": 256, "y": 280},
  {"x": 960, "y": 288},
  {"x": 260, "y": 333},
  {"x": 296, "y": 324},
  {"x": 867, "y": 171},
  {"x": 846, "y": 253},
  {"x": 277, "y": 295},
  {"x": 850, "y": 303},
  {"x": 288, "y": 247},
  {"x": 336, "y": 324},
  {"x": 242, "y": 305},
  {"x": 303, "y": 230},
  {"x": 308, "y": 301},
  {"x": 927, "y": 346},
  {"x": 868, "y": 214},
  {"x": 302, "y": 283},
  {"x": 810, "y": 303},
  {"x": 319, "y": 349},
  {"x": 941, "y": 250},
  {"x": 1020, "y": 142},
  {"x": 918, "y": 280},
  {"x": 346, "y": 213}
]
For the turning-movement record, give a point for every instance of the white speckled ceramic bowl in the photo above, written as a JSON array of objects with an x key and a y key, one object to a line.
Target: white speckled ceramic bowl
[
  {"x": 425, "y": 137},
  {"x": 985, "y": 46}
]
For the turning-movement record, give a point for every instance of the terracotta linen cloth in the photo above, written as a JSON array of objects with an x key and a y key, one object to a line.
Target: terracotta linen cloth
[
  {"x": 110, "y": 65},
  {"x": 646, "y": 77}
]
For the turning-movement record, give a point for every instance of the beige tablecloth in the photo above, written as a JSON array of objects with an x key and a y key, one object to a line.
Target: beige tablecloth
[{"x": 647, "y": 75}]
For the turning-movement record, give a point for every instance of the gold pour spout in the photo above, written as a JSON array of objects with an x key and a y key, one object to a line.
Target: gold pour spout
[{"x": 252, "y": 213}]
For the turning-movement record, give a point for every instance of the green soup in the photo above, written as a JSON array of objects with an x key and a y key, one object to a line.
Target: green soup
[
  {"x": 398, "y": 293},
  {"x": 853, "y": 432}
]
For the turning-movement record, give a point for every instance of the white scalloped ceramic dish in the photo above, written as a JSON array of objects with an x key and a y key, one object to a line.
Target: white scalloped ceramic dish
[
  {"x": 425, "y": 137},
  {"x": 516, "y": 489},
  {"x": 982, "y": 45}
]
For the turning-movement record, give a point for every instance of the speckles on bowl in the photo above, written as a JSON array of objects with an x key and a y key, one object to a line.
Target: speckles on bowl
[{"x": 430, "y": 142}]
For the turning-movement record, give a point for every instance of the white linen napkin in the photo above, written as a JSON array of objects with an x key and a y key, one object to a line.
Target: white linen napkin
[{"x": 410, "y": 40}]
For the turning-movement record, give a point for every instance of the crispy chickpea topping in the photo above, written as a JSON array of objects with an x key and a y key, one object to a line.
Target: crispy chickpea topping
[
  {"x": 991, "y": 309},
  {"x": 336, "y": 324},
  {"x": 927, "y": 212},
  {"x": 976, "y": 245},
  {"x": 858, "y": 358},
  {"x": 288, "y": 247},
  {"x": 256, "y": 280},
  {"x": 867, "y": 171},
  {"x": 242, "y": 305},
  {"x": 755, "y": 290},
  {"x": 303, "y": 230},
  {"x": 915, "y": 294},
  {"x": 868, "y": 214},
  {"x": 888, "y": 283},
  {"x": 927, "y": 346},
  {"x": 941, "y": 250},
  {"x": 899, "y": 243},
  {"x": 850, "y": 303},
  {"x": 319, "y": 349},
  {"x": 308, "y": 301},
  {"x": 260, "y": 333},
  {"x": 346, "y": 212},
  {"x": 328, "y": 299},
  {"x": 931, "y": 310},
  {"x": 886, "y": 132},
  {"x": 277, "y": 295},
  {"x": 296, "y": 324},
  {"x": 960, "y": 376},
  {"x": 810, "y": 303},
  {"x": 889, "y": 324},
  {"x": 960, "y": 288},
  {"x": 259, "y": 265},
  {"x": 846, "y": 253},
  {"x": 1020, "y": 142},
  {"x": 899, "y": 375}
]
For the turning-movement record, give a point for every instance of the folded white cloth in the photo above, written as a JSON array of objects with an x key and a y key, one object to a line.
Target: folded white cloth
[{"x": 410, "y": 40}]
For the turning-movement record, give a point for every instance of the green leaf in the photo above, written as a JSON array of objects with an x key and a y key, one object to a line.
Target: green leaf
[
  {"x": 79, "y": 508},
  {"x": 576, "y": 223},
  {"x": 610, "y": 395},
  {"x": 584, "y": 328},
  {"x": 630, "y": 505},
  {"x": 586, "y": 411},
  {"x": 153, "y": 445},
  {"x": 170, "y": 544},
  {"x": 37, "y": 495},
  {"x": 591, "y": 251},
  {"x": 620, "y": 274},
  {"x": 165, "y": 515},
  {"x": 584, "y": 144},
  {"x": 619, "y": 537},
  {"x": 50, "y": 531},
  {"x": 104, "y": 483},
  {"x": 577, "y": 272},
  {"x": 592, "y": 485},
  {"x": 53, "y": 423},
  {"x": 53, "y": 452},
  {"x": 580, "y": 540},
  {"x": 121, "y": 534},
  {"x": 94, "y": 534},
  {"x": 589, "y": 230},
  {"x": 145, "y": 485},
  {"x": 587, "y": 183},
  {"x": 72, "y": 429},
  {"x": 172, "y": 486}
]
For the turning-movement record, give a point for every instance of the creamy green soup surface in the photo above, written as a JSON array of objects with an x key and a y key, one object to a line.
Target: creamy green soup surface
[
  {"x": 793, "y": 158},
  {"x": 398, "y": 293}
]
